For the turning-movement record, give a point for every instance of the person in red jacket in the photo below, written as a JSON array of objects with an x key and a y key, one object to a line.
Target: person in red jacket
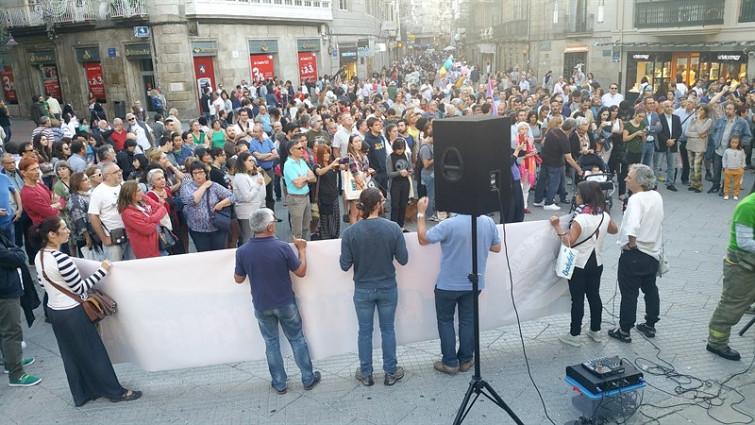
[
  {"x": 38, "y": 201},
  {"x": 141, "y": 215}
]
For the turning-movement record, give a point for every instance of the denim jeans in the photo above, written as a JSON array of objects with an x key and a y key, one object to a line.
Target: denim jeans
[
  {"x": 7, "y": 134},
  {"x": 445, "y": 305},
  {"x": 209, "y": 241},
  {"x": 717, "y": 166},
  {"x": 290, "y": 321},
  {"x": 648, "y": 150},
  {"x": 548, "y": 183},
  {"x": 428, "y": 179},
  {"x": 365, "y": 302},
  {"x": 9, "y": 231},
  {"x": 669, "y": 160}
]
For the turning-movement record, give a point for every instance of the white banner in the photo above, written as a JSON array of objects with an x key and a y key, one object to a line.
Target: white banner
[{"x": 186, "y": 310}]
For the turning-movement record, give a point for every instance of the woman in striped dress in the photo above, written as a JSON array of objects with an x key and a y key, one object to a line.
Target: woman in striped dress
[{"x": 88, "y": 368}]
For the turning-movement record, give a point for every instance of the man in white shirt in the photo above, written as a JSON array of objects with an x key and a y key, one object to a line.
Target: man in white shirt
[
  {"x": 104, "y": 215},
  {"x": 244, "y": 126},
  {"x": 144, "y": 137},
  {"x": 641, "y": 242},
  {"x": 613, "y": 97},
  {"x": 217, "y": 105},
  {"x": 341, "y": 139}
]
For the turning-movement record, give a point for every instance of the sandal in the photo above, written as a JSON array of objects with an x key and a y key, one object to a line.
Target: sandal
[
  {"x": 621, "y": 336},
  {"x": 129, "y": 395}
]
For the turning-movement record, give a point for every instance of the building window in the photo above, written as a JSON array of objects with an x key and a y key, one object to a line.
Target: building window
[{"x": 343, "y": 4}]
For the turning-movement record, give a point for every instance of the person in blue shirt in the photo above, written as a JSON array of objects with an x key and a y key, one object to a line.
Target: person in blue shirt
[
  {"x": 9, "y": 213},
  {"x": 265, "y": 154},
  {"x": 452, "y": 287},
  {"x": 268, "y": 262},
  {"x": 370, "y": 245},
  {"x": 298, "y": 176}
]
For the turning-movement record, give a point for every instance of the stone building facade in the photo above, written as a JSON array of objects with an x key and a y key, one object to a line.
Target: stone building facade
[{"x": 121, "y": 51}]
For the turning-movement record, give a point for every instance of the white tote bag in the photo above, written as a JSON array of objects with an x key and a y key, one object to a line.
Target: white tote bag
[{"x": 566, "y": 261}]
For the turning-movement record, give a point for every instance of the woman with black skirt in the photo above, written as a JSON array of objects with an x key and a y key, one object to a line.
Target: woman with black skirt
[
  {"x": 88, "y": 368},
  {"x": 399, "y": 173},
  {"x": 326, "y": 193}
]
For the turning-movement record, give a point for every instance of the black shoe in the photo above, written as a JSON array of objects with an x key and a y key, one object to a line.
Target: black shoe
[
  {"x": 697, "y": 190},
  {"x": 726, "y": 353},
  {"x": 671, "y": 187},
  {"x": 314, "y": 383},
  {"x": 621, "y": 336},
  {"x": 721, "y": 193},
  {"x": 713, "y": 189},
  {"x": 278, "y": 219},
  {"x": 691, "y": 189},
  {"x": 647, "y": 330},
  {"x": 129, "y": 395},
  {"x": 280, "y": 392}
]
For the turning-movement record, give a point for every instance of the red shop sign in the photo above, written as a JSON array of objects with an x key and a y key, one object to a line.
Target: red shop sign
[
  {"x": 262, "y": 67},
  {"x": 307, "y": 67},
  {"x": 9, "y": 86},
  {"x": 94, "y": 81}
]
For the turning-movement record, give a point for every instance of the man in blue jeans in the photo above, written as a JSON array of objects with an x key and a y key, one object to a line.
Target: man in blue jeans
[
  {"x": 267, "y": 261},
  {"x": 555, "y": 154},
  {"x": 453, "y": 287}
]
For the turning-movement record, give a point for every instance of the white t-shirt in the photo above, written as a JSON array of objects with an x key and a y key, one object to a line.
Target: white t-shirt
[
  {"x": 643, "y": 219},
  {"x": 104, "y": 203},
  {"x": 217, "y": 105},
  {"x": 588, "y": 223},
  {"x": 614, "y": 100},
  {"x": 141, "y": 137},
  {"x": 341, "y": 141}
]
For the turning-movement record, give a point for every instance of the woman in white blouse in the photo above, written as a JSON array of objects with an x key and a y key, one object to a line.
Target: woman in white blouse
[
  {"x": 88, "y": 368},
  {"x": 248, "y": 192}
]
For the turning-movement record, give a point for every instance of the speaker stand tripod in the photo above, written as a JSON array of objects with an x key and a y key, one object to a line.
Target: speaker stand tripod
[
  {"x": 747, "y": 326},
  {"x": 477, "y": 385}
]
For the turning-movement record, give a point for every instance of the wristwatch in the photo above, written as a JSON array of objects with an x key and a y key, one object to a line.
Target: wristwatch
[{"x": 420, "y": 215}]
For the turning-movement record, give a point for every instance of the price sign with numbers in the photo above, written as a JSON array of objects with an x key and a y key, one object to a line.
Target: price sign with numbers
[
  {"x": 95, "y": 81},
  {"x": 262, "y": 67},
  {"x": 9, "y": 86},
  {"x": 307, "y": 67}
]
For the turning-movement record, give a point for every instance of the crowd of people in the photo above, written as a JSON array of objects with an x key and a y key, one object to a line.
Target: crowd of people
[{"x": 335, "y": 150}]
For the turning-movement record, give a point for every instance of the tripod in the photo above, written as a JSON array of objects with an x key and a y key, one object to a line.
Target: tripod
[
  {"x": 747, "y": 326},
  {"x": 477, "y": 385}
]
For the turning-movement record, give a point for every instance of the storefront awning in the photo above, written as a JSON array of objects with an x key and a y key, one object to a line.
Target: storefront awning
[{"x": 684, "y": 47}]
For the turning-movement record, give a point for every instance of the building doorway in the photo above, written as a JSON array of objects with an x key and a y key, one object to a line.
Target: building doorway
[
  {"x": 147, "y": 73},
  {"x": 687, "y": 65},
  {"x": 573, "y": 59}
]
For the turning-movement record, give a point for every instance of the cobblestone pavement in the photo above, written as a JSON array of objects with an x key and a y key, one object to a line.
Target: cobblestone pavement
[{"x": 696, "y": 232}]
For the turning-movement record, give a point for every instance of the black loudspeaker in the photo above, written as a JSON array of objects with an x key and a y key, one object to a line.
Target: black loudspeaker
[{"x": 472, "y": 163}]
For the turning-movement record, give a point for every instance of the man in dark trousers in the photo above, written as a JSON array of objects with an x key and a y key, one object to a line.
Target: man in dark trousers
[
  {"x": 268, "y": 261},
  {"x": 377, "y": 154},
  {"x": 668, "y": 143},
  {"x": 739, "y": 280},
  {"x": 12, "y": 258}
]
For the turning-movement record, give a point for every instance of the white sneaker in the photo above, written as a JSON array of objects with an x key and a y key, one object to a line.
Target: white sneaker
[
  {"x": 736, "y": 198},
  {"x": 552, "y": 207},
  {"x": 538, "y": 204},
  {"x": 726, "y": 198},
  {"x": 595, "y": 336},
  {"x": 570, "y": 339},
  {"x": 23, "y": 345}
]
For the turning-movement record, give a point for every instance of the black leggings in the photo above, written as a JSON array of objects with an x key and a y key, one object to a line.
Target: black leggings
[
  {"x": 399, "y": 199},
  {"x": 586, "y": 282}
]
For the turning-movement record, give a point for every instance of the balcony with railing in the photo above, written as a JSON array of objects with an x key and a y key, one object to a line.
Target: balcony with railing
[
  {"x": 747, "y": 13},
  {"x": 288, "y": 10},
  {"x": 70, "y": 12},
  {"x": 517, "y": 29},
  {"x": 673, "y": 13}
]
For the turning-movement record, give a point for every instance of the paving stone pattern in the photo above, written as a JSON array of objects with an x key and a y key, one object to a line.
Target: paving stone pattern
[{"x": 696, "y": 233}]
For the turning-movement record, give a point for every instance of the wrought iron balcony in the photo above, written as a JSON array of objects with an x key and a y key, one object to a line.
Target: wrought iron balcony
[
  {"x": 67, "y": 12},
  {"x": 673, "y": 13},
  {"x": 747, "y": 13},
  {"x": 308, "y": 10}
]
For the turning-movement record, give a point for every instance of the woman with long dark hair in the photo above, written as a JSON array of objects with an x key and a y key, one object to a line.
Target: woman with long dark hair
[
  {"x": 87, "y": 364},
  {"x": 371, "y": 245},
  {"x": 586, "y": 235},
  {"x": 248, "y": 192},
  {"x": 326, "y": 193}
]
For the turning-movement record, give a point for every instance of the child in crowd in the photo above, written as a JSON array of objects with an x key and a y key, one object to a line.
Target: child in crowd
[{"x": 734, "y": 166}]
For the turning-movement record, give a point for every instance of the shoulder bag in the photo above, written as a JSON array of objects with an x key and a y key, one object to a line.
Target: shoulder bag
[
  {"x": 221, "y": 219},
  {"x": 315, "y": 206},
  {"x": 96, "y": 304},
  {"x": 567, "y": 255}
]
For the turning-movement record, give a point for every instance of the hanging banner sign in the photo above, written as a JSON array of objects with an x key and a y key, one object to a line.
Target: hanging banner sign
[
  {"x": 157, "y": 326},
  {"x": 95, "y": 81},
  {"x": 307, "y": 67},
  {"x": 9, "y": 86},
  {"x": 50, "y": 81},
  {"x": 262, "y": 67}
]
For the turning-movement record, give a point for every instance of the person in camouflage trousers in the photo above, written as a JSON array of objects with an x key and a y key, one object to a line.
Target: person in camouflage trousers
[{"x": 739, "y": 280}]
